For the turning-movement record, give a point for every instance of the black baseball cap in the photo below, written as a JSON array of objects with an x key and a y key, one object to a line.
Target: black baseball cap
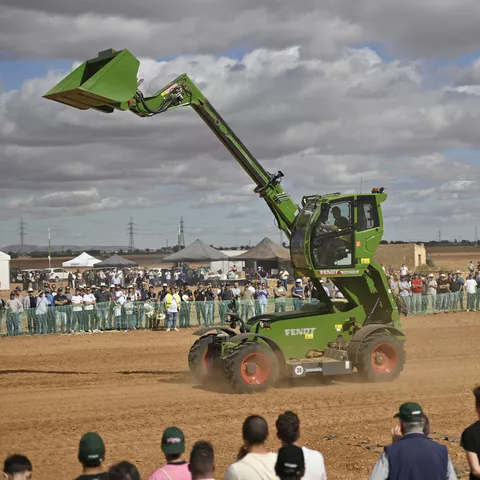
[
  {"x": 410, "y": 412},
  {"x": 91, "y": 451},
  {"x": 173, "y": 441},
  {"x": 290, "y": 462}
]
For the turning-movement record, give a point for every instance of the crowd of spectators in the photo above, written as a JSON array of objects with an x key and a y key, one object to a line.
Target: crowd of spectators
[
  {"x": 412, "y": 455},
  {"x": 429, "y": 293}
]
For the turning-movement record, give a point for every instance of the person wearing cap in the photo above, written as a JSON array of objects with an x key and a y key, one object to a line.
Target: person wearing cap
[
  {"x": 202, "y": 461},
  {"x": 17, "y": 467},
  {"x": 209, "y": 304},
  {"x": 280, "y": 294},
  {"x": 129, "y": 306},
  {"x": 290, "y": 463},
  {"x": 173, "y": 447},
  {"x": 30, "y": 304},
  {"x": 41, "y": 314},
  {"x": 89, "y": 311},
  {"x": 77, "y": 312},
  {"x": 443, "y": 288},
  {"x": 61, "y": 301},
  {"x": 297, "y": 294},
  {"x": 288, "y": 432},
  {"x": 414, "y": 456},
  {"x": 254, "y": 460},
  {"x": 199, "y": 297},
  {"x": 91, "y": 454},
  {"x": 457, "y": 284},
  {"x": 14, "y": 308},
  {"x": 405, "y": 292},
  {"x": 431, "y": 287},
  {"x": 470, "y": 440}
]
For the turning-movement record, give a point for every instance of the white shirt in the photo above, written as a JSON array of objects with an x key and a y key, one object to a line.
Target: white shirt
[
  {"x": 403, "y": 270},
  {"x": 89, "y": 297},
  {"x": 77, "y": 301},
  {"x": 254, "y": 466},
  {"x": 314, "y": 465},
  {"x": 471, "y": 285}
]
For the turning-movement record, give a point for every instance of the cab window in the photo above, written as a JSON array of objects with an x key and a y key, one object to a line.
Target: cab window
[{"x": 367, "y": 213}]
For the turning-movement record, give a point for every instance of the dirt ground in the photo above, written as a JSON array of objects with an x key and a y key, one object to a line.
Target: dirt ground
[{"x": 130, "y": 386}]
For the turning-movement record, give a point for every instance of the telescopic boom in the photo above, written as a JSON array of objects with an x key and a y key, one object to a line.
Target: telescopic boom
[{"x": 110, "y": 82}]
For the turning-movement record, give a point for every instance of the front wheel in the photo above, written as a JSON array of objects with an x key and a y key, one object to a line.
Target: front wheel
[
  {"x": 203, "y": 358},
  {"x": 57, "y": 279},
  {"x": 251, "y": 367},
  {"x": 381, "y": 358}
]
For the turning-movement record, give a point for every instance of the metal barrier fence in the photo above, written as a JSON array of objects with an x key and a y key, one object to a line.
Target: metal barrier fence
[{"x": 147, "y": 315}]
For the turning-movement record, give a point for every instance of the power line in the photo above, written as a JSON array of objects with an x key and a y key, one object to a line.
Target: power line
[
  {"x": 22, "y": 230},
  {"x": 131, "y": 234}
]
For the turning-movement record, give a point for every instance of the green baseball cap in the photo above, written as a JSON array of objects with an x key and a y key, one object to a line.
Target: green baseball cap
[
  {"x": 410, "y": 412},
  {"x": 91, "y": 451},
  {"x": 173, "y": 441}
]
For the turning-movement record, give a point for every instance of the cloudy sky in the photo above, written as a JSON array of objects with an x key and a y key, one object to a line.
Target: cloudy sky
[{"x": 334, "y": 93}]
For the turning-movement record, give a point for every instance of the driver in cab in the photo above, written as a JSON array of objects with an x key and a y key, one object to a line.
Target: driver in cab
[{"x": 340, "y": 221}]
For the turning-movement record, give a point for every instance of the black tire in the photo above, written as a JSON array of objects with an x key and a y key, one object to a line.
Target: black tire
[
  {"x": 263, "y": 362},
  {"x": 381, "y": 358},
  {"x": 203, "y": 359},
  {"x": 57, "y": 279}
]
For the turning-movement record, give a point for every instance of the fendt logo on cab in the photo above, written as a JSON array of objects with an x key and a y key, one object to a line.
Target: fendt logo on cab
[{"x": 300, "y": 331}]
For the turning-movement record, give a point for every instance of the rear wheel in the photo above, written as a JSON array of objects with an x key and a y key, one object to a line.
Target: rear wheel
[
  {"x": 251, "y": 367},
  {"x": 203, "y": 358},
  {"x": 381, "y": 358}
]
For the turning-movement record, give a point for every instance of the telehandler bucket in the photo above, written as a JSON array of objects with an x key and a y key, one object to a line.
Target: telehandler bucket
[{"x": 103, "y": 83}]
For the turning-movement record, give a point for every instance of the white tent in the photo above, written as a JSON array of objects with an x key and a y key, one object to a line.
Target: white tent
[
  {"x": 83, "y": 260},
  {"x": 4, "y": 271}
]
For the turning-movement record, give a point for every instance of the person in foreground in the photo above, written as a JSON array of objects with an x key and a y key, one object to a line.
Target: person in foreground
[
  {"x": 288, "y": 432},
  {"x": 202, "y": 462},
  {"x": 91, "y": 454},
  {"x": 470, "y": 441},
  {"x": 173, "y": 447},
  {"x": 290, "y": 463},
  {"x": 123, "y": 471},
  {"x": 17, "y": 467},
  {"x": 254, "y": 461},
  {"x": 414, "y": 456}
]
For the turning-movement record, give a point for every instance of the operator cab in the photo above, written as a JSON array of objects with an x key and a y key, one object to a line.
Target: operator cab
[{"x": 336, "y": 234}]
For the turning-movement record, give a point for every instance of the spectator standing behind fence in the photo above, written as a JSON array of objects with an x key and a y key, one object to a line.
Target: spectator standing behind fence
[
  {"x": 173, "y": 447},
  {"x": 288, "y": 432},
  {"x": 77, "y": 311},
  {"x": 14, "y": 308},
  {"x": 172, "y": 305},
  {"x": 457, "y": 285},
  {"x": 61, "y": 301},
  {"x": 280, "y": 293},
  {"x": 297, "y": 294},
  {"x": 471, "y": 288},
  {"x": 416, "y": 299},
  {"x": 248, "y": 295},
  {"x": 91, "y": 455},
  {"x": 405, "y": 292},
  {"x": 471, "y": 267},
  {"x": 262, "y": 298},
  {"x": 431, "y": 285},
  {"x": 209, "y": 305},
  {"x": 283, "y": 275},
  {"x": 17, "y": 467},
  {"x": 443, "y": 288},
  {"x": 477, "y": 297},
  {"x": 413, "y": 456},
  {"x": 403, "y": 270},
  {"x": 470, "y": 441},
  {"x": 29, "y": 304},
  {"x": 41, "y": 314},
  {"x": 89, "y": 317},
  {"x": 202, "y": 461},
  {"x": 254, "y": 460}
]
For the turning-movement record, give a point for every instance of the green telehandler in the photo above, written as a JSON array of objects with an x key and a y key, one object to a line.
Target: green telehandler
[{"x": 331, "y": 235}]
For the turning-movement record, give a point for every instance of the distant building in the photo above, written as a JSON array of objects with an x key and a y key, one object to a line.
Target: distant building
[{"x": 411, "y": 254}]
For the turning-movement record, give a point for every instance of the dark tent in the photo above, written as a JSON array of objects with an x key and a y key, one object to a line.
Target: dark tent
[
  {"x": 197, "y": 251},
  {"x": 116, "y": 261},
  {"x": 266, "y": 250}
]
